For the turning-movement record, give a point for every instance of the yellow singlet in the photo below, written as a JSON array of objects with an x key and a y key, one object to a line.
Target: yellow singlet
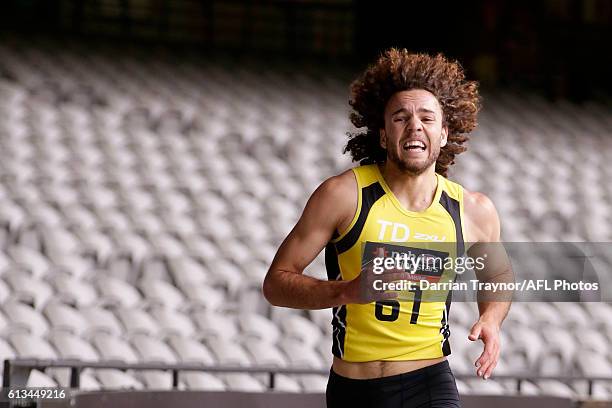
[{"x": 394, "y": 330}]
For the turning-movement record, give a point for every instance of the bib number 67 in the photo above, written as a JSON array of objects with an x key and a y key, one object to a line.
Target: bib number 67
[{"x": 379, "y": 309}]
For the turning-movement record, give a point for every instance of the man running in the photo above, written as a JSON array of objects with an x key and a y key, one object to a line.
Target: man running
[{"x": 416, "y": 111}]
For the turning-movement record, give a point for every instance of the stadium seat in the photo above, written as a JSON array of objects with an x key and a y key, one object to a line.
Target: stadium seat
[
  {"x": 39, "y": 379},
  {"x": 216, "y": 325},
  {"x": 591, "y": 363},
  {"x": 94, "y": 243},
  {"x": 155, "y": 379},
  {"x": 137, "y": 321},
  {"x": 5, "y": 263},
  {"x": 490, "y": 387},
  {"x": 116, "y": 292},
  {"x": 229, "y": 353},
  {"x": 23, "y": 317},
  {"x": 189, "y": 350},
  {"x": 30, "y": 260},
  {"x": 173, "y": 322},
  {"x": 162, "y": 293},
  {"x": 202, "y": 382},
  {"x": 77, "y": 265},
  {"x": 70, "y": 346},
  {"x": 153, "y": 350},
  {"x": 559, "y": 340},
  {"x": 102, "y": 320},
  {"x": 198, "y": 246},
  {"x": 88, "y": 381},
  {"x": 528, "y": 388},
  {"x": 6, "y": 351},
  {"x": 225, "y": 275},
  {"x": 242, "y": 382},
  {"x": 555, "y": 388},
  {"x": 32, "y": 346},
  {"x": 265, "y": 354},
  {"x": 115, "y": 379},
  {"x": 114, "y": 348},
  {"x": 573, "y": 314},
  {"x": 593, "y": 340},
  {"x": 528, "y": 343},
  {"x": 205, "y": 297},
  {"x": 133, "y": 247},
  {"x": 29, "y": 290},
  {"x": 462, "y": 387},
  {"x": 4, "y": 293},
  {"x": 57, "y": 242},
  {"x": 314, "y": 383},
  {"x": 74, "y": 291},
  {"x": 284, "y": 383},
  {"x": 300, "y": 354},
  {"x": 187, "y": 272},
  {"x": 166, "y": 245},
  {"x": 322, "y": 318},
  {"x": 256, "y": 327},
  {"x": 301, "y": 329},
  {"x": 65, "y": 318}
]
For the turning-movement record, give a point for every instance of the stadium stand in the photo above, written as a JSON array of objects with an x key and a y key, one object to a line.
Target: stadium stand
[{"x": 141, "y": 201}]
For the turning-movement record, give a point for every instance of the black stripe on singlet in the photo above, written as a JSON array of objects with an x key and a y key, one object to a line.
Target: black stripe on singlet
[
  {"x": 369, "y": 195},
  {"x": 453, "y": 208},
  {"x": 445, "y": 328},
  {"x": 339, "y": 312}
]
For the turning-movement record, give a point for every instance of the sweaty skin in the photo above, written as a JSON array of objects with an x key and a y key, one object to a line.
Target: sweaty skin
[{"x": 412, "y": 118}]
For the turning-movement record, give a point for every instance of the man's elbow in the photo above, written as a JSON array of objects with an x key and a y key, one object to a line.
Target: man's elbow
[{"x": 269, "y": 290}]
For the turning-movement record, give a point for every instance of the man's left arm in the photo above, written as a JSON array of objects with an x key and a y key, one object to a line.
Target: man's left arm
[{"x": 483, "y": 230}]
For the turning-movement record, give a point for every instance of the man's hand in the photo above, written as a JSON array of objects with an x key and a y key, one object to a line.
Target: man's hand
[
  {"x": 361, "y": 289},
  {"x": 488, "y": 332}
]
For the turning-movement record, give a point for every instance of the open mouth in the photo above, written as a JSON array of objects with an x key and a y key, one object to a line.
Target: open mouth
[{"x": 414, "y": 145}]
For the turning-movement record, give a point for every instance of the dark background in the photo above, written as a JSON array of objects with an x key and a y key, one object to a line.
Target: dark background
[{"x": 557, "y": 47}]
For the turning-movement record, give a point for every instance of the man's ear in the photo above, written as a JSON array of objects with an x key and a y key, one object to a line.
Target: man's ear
[
  {"x": 444, "y": 136},
  {"x": 383, "y": 139}
]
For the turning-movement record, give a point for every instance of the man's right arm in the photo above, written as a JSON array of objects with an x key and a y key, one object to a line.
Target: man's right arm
[{"x": 331, "y": 205}]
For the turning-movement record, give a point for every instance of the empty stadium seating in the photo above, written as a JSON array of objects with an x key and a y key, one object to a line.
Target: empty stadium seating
[{"x": 141, "y": 201}]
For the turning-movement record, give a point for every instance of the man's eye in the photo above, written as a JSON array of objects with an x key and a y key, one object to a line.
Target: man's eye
[{"x": 399, "y": 119}]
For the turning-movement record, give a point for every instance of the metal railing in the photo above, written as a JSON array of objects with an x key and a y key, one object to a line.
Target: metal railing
[{"x": 16, "y": 372}]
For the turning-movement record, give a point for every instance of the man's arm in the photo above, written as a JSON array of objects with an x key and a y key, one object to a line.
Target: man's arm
[
  {"x": 331, "y": 207},
  {"x": 333, "y": 202},
  {"x": 482, "y": 222}
]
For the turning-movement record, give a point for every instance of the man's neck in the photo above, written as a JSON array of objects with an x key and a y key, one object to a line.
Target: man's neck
[{"x": 414, "y": 192}]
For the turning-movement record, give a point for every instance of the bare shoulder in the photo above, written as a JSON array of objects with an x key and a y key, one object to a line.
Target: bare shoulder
[
  {"x": 335, "y": 200},
  {"x": 341, "y": 186},
  {"x": 478, "y": 203},
  {"x": 481, "y": 217}
]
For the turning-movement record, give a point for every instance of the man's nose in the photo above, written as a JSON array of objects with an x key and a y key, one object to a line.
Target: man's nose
[{"x": 415, "y": 125}]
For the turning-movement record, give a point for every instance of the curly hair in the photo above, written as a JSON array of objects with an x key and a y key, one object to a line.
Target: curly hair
[{"x": 398, "y": 70}]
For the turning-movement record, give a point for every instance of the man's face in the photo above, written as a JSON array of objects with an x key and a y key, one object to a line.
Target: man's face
[{"x": 413, "y": 133}]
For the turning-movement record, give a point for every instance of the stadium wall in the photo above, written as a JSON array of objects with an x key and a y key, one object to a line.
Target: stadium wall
[{"x": 188, "y": 399}]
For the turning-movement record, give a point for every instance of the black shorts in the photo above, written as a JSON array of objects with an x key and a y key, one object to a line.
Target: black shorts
[{"x": 429, "y": 387}]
